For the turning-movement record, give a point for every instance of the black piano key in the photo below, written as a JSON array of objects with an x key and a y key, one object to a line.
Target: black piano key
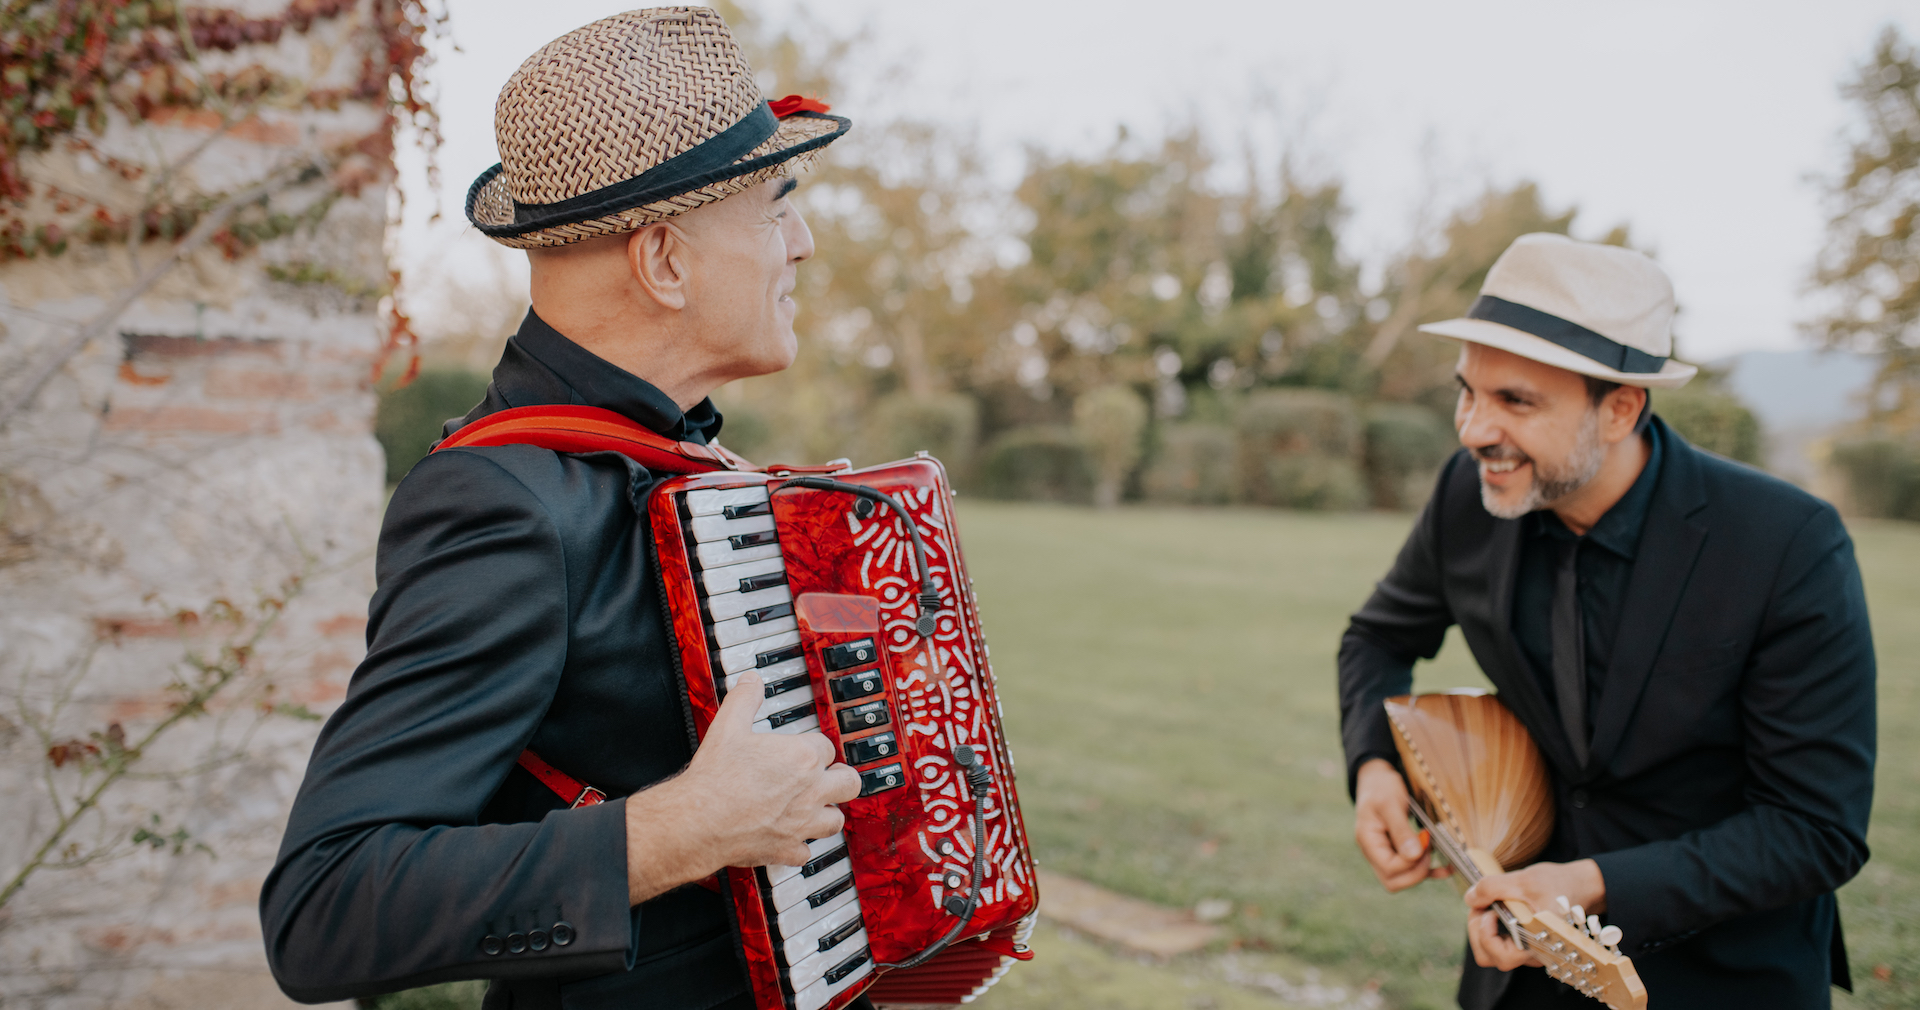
[
  {"x": 821, "y": 862},
  {"x": 765, "y": 659},
  {"x": 840, "y": 657},
  {"x": 786, "y": 684},
  {"x": 754, "y": 583},
  {"x": 847, "y": 967},
  {"x": 869, "y": 749},
  {"x": 859, "y": 717},
  {"x": 773, "y": 613},
  {"x": 778, "y": 719},
  {"x": 829, "y": 892},
  {"x": 879, "y": 780},
  {"x": 839, "y": 936},
  {"x": 742, "y": 541},
  {"x": 759, "y": 508}
]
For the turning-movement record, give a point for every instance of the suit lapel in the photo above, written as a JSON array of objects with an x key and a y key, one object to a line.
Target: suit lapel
[
  {"x": 1519, "y": 689},
  {"x": 1669, "y": 545}
]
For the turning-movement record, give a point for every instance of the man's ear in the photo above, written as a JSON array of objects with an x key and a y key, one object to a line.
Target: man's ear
[
  {"x": 657, "y": 259},
  {"x": 1620, "y": 413}
]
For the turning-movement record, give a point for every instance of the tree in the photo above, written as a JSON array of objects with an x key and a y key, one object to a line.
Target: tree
[{"x": 1870, "y": 268}]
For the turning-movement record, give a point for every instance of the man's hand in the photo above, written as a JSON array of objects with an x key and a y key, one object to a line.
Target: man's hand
[
  {"x": 1538, "y": 885},
  {"x": 1380, "y": 827},
  {"x": 746, "y": 799}
]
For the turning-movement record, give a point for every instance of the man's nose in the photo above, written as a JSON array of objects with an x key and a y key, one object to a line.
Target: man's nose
[
  {"x": 1477, "y": 431},
  {"x": 799, "y": 237}
]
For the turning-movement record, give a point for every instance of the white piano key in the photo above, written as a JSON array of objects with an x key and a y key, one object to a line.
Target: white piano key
[
  {"x": 726, "y": 578},
  {"x": 818, "y": 994},
  {"x": 738, "y": 631},
  {"x": 810, "y": 970},
  {"x": 770, "y": 674},
  {"x": 803, "y": 914},
  {"x": 722, "y": 553},
  {"x": 794, "y": 890},
  {"x": 727, "y": 606},
  {"x": 811, "y": 724},
  {"x": 806, "y": 942},
  {"x": 706, "y": 503},
  {"x": 707, "y": 529},
  {"x": 745, "y": 656}
]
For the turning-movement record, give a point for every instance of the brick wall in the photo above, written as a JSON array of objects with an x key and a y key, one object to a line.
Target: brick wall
[{"x": 216, "y": 442}]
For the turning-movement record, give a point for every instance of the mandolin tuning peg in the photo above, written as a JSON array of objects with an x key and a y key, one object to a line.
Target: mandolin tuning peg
[
  {"x": 1610, "y": 937},
  {"x": 1593, "y": 925},
  {"x": 1577, "y": 915},
  {"x": 1565, "y": 909}
]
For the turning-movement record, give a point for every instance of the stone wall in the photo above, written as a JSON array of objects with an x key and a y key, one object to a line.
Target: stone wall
[{"x": 214, "y": 444}]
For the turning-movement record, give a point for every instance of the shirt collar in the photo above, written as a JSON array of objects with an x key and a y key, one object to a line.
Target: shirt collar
[
  {"x": 1620, "y": 528},
  {"x": 540, "y": 365}
]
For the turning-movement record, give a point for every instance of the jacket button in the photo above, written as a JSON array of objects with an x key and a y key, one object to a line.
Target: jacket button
[
  {"x": 562, "y": 933},
  {"x": 492, "y": 946},
  {"x": 537, "y": 940},
  {"x": 516, "y": 943},
  {"x": 1580, "y": 799}
]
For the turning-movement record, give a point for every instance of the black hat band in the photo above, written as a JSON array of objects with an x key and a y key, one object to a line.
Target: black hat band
[{"x": 1567, "y": 333}]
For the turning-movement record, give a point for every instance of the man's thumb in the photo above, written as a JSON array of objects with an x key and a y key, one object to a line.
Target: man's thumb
[{"x": 742, "y": 702}]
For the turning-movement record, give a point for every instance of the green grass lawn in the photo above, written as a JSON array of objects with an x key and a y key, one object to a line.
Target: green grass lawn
[{"x": 1168, "y": 682}]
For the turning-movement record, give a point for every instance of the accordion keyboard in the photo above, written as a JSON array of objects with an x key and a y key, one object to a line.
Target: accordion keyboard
[{"x": 813, "y": 909}]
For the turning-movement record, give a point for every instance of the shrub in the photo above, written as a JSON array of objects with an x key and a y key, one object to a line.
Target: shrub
[
  {"x": 408, "y": 420},
  {"x": 1713, "y": 419},
  {"x": 1406, "y": 444},
  {"x": 944, "y": 424},
  {"x": 1194, "y": 465},
  {"x": 1300, "y": 448},
  {"x": 1109, "y": 422},
  {"x": 1882, "y": 477},
  {"x": 1038, "y": 463}
]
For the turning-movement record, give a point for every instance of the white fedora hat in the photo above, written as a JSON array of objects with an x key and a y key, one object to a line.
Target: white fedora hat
[{"x": 1598, "y": 310}]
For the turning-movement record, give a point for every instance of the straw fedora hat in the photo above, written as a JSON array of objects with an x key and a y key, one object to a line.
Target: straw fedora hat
[
  {"x": 1598, "y": 310},
  {"x": 631, "y": 120}
]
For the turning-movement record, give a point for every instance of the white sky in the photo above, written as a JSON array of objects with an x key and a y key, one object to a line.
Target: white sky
[{"x": 1701, "y": 124}]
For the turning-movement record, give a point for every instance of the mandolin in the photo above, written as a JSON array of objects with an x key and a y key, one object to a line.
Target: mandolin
[{"x": 1480, "y": 794}]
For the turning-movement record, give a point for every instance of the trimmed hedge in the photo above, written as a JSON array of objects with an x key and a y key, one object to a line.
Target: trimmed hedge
[
  {"x": 1300, "y": 448},
  {"x": 1194, "y": 464},
  {"x": 1713, "y": 419},
  {"x": 1406, "y": 445},
  {"x": 1037, "y": 463},
  {"x": 1882, "y": 475}
]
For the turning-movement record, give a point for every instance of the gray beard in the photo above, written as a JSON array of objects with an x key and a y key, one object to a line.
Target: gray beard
[{"x": 1551, "y": 485}]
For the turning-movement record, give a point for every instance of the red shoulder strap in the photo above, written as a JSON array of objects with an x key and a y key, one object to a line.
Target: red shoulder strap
[{"x": 569, "y": 428}]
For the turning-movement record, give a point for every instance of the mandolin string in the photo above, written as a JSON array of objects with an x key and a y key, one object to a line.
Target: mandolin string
[{"x": 1470, "y": 870}]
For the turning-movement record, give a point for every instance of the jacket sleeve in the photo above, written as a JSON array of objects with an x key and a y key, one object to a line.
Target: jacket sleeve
[
  {"x": 386, "y": 878},
  {"x": 1807, "y": 700},
  {"x": 1405, "y": 619}
]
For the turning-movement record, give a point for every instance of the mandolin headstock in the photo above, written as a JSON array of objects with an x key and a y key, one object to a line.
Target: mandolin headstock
[{"x": 1582, "y": 954}]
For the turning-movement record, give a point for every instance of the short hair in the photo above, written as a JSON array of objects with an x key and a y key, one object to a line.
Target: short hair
[{"x": 1597, "y": 390}]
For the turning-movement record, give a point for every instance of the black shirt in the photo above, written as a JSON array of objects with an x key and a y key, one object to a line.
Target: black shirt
[
  {"x": 540, "y": 365},
  {"x": 1605, "y": 566}
]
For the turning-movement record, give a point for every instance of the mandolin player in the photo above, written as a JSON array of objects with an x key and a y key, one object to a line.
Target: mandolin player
[{"x": 1685, "y": 638}]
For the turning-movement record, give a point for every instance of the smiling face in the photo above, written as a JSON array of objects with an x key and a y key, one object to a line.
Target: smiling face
[
  {"x": 1534, "y": 429},
  {"x": 743, "y": 258}
]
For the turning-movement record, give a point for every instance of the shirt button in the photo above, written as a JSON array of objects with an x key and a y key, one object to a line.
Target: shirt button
[
  {"x": 516, "y": 943},
  {"x": 1580, "y": 799},
  {"x": 562, "y": 933},
  {"x": 537, "y": 940},
  {"x": 492, "y": 946}
]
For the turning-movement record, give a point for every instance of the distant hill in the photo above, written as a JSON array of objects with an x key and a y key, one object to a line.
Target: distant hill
[{"x": 1799, "y": 398}]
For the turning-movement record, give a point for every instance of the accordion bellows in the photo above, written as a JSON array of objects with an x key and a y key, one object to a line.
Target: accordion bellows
[{"x": 1475, "y": 768}]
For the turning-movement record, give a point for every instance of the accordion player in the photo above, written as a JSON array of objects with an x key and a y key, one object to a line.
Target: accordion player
[{"x": 846, "y": 592}]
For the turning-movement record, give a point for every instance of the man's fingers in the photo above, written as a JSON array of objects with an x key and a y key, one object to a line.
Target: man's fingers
[
  {"x": 742, "y": 703},
  {"x": 825, "y": 823},
  {"x": 821, "y": 748},
  {"x": 1406, "y": 841},
  {"x": 840, "y": 784}
]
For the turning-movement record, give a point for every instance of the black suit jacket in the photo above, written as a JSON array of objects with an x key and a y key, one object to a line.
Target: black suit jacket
[
  {"x": 517, "y": 607},
  {"x": 1731, "y": 769}
]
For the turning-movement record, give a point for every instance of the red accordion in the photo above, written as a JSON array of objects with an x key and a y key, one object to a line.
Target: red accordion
[{"x": 845, "y": 590}]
